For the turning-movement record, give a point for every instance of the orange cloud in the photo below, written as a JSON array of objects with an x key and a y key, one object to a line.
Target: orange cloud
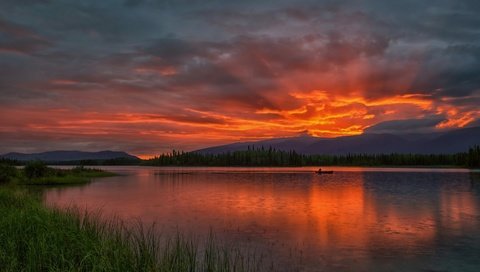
[
  {"x": 248, "y": 90},
  {"x": 320, "y": 113}
]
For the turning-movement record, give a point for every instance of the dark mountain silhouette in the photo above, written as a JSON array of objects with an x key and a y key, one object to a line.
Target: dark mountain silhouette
[
  {"x": 64, "y": 156},
  {"x": 458, "y": 140}
]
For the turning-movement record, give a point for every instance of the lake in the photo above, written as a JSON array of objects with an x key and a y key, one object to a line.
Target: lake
[{"x": 358, "y": 219}]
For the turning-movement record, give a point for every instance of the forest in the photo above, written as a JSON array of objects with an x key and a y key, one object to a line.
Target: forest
[{"x": 261, "y": 156}]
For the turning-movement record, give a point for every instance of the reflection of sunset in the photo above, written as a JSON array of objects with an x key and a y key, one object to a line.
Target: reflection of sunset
[
  {"x": 459, "y": 209},
  {"x": 335, "y": 210},
  {"x": 280, "y": 87},
  {"x": 300, "y": 210}
]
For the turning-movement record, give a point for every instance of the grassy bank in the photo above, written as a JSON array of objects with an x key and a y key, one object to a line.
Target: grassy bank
[
  {"x": 37, "y": 173},
  {"x": 35, "y": 238},
  {"x": 78, "y": 175}
]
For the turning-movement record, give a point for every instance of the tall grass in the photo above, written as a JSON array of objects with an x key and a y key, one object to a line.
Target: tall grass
[{"x": 36, "y": 238}]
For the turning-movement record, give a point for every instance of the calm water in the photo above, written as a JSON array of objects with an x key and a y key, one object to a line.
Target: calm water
[{"x": 358, "y": 219}]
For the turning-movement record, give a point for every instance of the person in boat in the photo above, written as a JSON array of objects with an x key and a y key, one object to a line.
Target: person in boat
[{"x": 319, "y": 171}]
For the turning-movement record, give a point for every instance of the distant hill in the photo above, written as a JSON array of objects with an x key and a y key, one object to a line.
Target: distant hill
[
  {"x": 65, "y": 156},
  {"x": 453, "y": 141}
]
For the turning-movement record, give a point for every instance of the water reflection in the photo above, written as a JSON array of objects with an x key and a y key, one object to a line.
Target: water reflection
[{"x": 350, "y": 221}]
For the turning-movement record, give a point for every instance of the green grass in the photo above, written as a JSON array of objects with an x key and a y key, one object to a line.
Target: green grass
[
  {"x": 38, "y": 173},
  {"x": 66, "y": 177},
  {"x": 36, "y": 238},
  {"x": 57, "y": 180}
]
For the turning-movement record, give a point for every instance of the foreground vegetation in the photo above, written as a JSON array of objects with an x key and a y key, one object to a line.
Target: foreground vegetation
[
  {"x": 37, "y": 173},
  {"x": 272, "y": 157},
  {"x": 35, "y": 238},
  {"x": 116, "y": 161}
]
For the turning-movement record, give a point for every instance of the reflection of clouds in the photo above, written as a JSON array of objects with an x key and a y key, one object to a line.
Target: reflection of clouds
[
  {"x": 475, "y": 178},
  {"x": 460, "y": 209},
  {"x": 335, "y": 210},
  {"x": 351, "y": 216},
  {"x": 414, "y": 212}
]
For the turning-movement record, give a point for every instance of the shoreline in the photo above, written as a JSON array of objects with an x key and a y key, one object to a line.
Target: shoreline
[
  {"x": 35, "y": 237},
  {"x": 283, "y": 167}
]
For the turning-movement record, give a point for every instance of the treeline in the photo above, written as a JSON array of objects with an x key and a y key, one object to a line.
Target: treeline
[
  {"x": 271, "y": 157},
  {"x": 4, "y": 161},
  {"x": 261, "y": 156},
  {"x": 116, "y": 161},
  {"x": 473, "y": 157}
]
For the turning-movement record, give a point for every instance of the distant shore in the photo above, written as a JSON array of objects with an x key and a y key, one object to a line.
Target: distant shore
[{"x": 271, "y": 157}]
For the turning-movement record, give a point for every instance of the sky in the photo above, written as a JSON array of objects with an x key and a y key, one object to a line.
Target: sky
[{"x": 150, "y": 76}]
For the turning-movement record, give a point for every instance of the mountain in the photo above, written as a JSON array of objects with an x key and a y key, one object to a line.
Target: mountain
[
  {"x": 64, "y": 156},
  {"x": 458, "y": 140}
]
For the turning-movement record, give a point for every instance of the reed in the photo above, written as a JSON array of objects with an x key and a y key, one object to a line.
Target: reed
[{"x": 36, "y": 238}]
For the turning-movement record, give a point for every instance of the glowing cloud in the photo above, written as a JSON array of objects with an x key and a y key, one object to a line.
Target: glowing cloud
[{"x": 155, "y": 76}]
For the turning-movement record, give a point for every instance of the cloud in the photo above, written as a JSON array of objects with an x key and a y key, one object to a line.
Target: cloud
[
  {"x": 15, "y": 38},
  {"x": 162, "y": 73},
  {"x": 474, "y": 123},
  {"x": 424, "y": 125}
]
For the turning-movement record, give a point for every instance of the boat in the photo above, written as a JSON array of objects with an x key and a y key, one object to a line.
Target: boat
[{"x": 320, "y": 172}]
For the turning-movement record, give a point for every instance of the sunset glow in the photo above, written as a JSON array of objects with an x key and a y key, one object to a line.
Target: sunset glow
[{"x": 152, "y": 82}]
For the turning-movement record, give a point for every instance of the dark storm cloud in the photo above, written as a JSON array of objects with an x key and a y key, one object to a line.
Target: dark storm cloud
[
  {"x": 114, "y": 27},
  {"x": 475, "y": 123},
  {"x": 423, "y": 125},
  {"x": 237, "y": 58},
  {"x": 15, "y": 38},
  {"x": 174, "y": 51}
]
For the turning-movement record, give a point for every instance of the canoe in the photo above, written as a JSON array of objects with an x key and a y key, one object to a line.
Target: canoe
[{"x": 324, "y": 172}]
